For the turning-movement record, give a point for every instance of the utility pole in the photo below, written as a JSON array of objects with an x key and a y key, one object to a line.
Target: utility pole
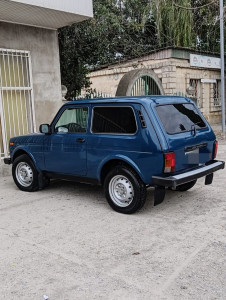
[{"x": 222, "y": 65}]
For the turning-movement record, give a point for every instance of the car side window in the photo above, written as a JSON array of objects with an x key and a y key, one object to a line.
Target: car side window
[
  {"x": 73, "y": 120},
  {"x": 114, "y": 120}
]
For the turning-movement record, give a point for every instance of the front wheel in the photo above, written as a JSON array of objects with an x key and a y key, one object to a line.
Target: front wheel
[
  {"x": 25, "y": 174},
  {"x": 124, "y": 190}
]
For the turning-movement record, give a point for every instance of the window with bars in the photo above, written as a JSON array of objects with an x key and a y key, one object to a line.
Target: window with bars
[
  {"x": 217, "y": 93},
  {"x": 16, "y": 97},
  {"x": 196, "y": 84}
]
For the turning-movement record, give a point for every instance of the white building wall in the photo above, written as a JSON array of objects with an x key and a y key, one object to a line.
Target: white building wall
[{"x": 82, "y": 7}]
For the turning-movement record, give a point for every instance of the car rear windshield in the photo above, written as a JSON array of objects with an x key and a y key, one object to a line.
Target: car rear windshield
[{"x": 180, "y": 117}]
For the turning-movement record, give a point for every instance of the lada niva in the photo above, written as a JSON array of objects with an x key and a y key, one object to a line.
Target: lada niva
[{"x": 125, "y": 144}]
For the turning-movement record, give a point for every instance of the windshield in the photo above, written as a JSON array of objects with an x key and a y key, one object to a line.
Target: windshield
[{"x": 180, "y": 117}]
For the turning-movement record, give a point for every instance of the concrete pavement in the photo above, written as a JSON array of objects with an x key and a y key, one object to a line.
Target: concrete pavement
[{"x": 65, "y": 242}]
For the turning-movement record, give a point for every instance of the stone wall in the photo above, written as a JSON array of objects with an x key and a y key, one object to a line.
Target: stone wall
[{"x": 175, "y": 75}]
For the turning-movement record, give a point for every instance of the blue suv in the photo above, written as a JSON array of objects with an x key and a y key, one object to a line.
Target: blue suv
[{"x": 125, "y": 144}]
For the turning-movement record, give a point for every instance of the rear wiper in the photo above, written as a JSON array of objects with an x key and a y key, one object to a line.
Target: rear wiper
[{"x": 198, "y": 123}]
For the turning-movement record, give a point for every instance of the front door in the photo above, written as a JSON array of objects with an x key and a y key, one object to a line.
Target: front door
[{"x": 65, "y": 149}]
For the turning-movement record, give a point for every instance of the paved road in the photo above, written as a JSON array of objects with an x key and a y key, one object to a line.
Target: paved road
[{"x": 65, "y": 242}]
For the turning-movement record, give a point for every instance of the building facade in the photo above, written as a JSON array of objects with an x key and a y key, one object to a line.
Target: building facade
[
  {"x": 171, "y": 71},
  {"x": 30, "y": 82}
]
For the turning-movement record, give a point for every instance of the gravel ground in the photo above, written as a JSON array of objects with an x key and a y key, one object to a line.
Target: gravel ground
[{"x": 65, "y": 242}]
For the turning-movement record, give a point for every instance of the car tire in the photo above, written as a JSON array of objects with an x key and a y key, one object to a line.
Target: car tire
[
  {"x": 124, "y": 190},
  {"x": 186, "y": 186},
  {"x": 25, "y": 174}
]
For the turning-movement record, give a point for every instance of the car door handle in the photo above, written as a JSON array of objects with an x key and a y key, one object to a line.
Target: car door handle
[{"x": 80, "y": 140}]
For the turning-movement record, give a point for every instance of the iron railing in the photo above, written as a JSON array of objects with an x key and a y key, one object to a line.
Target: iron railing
[{"x": 16, "y": 96}]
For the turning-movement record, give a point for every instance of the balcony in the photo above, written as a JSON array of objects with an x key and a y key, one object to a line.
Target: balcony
[{"x": 50, "y": 14}]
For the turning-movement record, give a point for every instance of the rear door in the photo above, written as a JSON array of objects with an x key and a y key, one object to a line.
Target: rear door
[{"x": 188, "y": 134}]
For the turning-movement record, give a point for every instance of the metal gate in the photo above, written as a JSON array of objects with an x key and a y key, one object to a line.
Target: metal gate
[
  {"x": 145, "y": 85},
  {"x": 16, "y": 97}
]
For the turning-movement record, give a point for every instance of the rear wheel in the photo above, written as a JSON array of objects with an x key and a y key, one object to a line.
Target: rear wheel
[
  {"x": 25, "y": 174},
  {"x": 124, "y": 190},
  {"x": 186, "y": 186}
]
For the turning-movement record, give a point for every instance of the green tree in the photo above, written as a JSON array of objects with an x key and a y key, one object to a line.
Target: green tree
[
  {"x": 72, "y": 60},
  {"x": 120, "y": 29},
  {"x": 123, "y": 29},
  {"x": 206, "y": 25},
  {"x": 174, "y": 25}
]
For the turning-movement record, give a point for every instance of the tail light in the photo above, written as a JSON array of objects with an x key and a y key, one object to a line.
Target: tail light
[
  {"x": 169, "y": 162},
  {"x": 215, "y": 147}
]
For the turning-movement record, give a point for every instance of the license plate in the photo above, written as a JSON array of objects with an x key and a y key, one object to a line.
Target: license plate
[{"x": 193, "y": 157}]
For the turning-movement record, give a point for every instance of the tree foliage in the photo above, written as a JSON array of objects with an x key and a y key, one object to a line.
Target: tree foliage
[
  {"x": 174, "y": 25},
  {"x": 119, "y": 29},
  {"x": 188, "y": 23},
  {"x": 206, "y": 25},
  {"x": 124, "y": 29}
]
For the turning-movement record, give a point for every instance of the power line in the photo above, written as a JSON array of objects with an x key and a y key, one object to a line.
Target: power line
[{"x": 194, "y": 8}]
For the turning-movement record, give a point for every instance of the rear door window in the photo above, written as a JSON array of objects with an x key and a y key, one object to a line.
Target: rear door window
[
  {"x": 180, "y": 117},
  {"x": 115, "y": 120}
]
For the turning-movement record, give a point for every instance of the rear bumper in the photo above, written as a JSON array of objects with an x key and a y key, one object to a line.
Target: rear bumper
[
  {"x": 7, "y": 161},
  {"x": 175, "y": 180}
]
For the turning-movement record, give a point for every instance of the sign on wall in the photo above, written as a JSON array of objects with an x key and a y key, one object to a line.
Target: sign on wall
[
  {"x": 208, "y": 80},
  {"x": 206, "y": 62}
]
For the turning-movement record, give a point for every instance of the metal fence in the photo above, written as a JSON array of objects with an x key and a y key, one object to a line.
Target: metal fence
[
  {"x": 196, "y": 84},
  {"x": 217, "y": 94},
  {"x": 92, "y": 94},
  {"x": 145, "y": 85},
  {"x": 16, "y": 96}
]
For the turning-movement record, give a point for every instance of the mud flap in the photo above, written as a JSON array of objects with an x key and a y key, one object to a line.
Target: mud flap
[
  {"x": 40, "y": 180},
  {"x": 159, "y": 194},
  {"x": 209, "y": 179}
]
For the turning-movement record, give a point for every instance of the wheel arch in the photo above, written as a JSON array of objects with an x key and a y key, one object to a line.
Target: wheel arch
[
  {"x": 20, "y": 151},
  {"x": 108, "y": 165}
]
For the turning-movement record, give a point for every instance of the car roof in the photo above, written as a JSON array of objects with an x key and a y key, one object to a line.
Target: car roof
[{"x": 137, "y": 99}]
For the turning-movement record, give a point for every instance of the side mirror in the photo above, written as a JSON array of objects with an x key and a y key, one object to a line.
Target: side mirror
[{"x": 44, "y": 128}]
